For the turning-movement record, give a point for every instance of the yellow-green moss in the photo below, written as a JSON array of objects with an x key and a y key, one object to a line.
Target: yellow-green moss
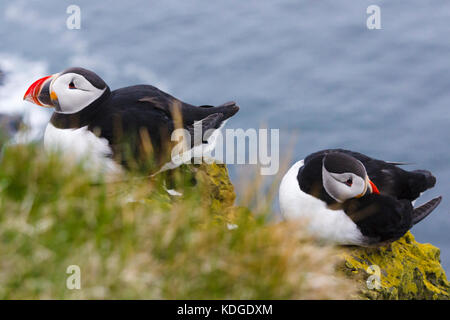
[
  {"x": 220, "y": 187},
  {"x": 213, "y": 179},
  {"x": 409, "y": 270}
]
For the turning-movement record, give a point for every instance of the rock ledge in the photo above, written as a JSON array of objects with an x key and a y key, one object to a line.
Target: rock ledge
[{"x": 407, "y": 270}]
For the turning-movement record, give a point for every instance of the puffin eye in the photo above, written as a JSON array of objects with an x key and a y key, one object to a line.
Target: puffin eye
[
  {"x": 71, "y": 85},
  {"x": 349, "y": 182}
]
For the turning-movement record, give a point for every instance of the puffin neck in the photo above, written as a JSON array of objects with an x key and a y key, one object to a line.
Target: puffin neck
[{"x": 81, "y": 118}]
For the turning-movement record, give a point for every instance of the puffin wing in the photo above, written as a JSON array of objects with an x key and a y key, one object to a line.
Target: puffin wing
[
  {"x": 424, "y": 210},
  {"x": 380, "y": 218},
  {"x": 152, "y": 108}
]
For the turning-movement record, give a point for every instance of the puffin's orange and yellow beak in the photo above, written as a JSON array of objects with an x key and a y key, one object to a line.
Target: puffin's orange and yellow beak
[
  {"x": 39, "y": 92},
  {"x": 373, "y": 187},
  {"x": 370, "y": 186}
]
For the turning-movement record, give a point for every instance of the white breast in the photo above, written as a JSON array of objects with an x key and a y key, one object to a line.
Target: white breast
[
  {"x": 81, "y": 145},
  {"x": 331, "y": 225}
]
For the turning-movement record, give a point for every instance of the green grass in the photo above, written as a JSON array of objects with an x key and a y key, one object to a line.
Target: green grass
[{"x": 132, "y": 241}]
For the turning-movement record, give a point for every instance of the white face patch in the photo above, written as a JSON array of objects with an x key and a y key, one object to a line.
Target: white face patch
[
  {"x": 74, "y": 92},
  {"x": 343, "y": 186}
]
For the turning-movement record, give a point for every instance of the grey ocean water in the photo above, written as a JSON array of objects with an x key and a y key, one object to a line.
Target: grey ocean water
[{"x": 310, "y": 67}]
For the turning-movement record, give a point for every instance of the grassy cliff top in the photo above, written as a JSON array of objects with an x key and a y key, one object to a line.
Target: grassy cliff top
[{"x": 130, "y": 239}]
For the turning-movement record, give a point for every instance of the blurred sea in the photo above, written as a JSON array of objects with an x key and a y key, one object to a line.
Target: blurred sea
[{"x": 310, "y": 68}]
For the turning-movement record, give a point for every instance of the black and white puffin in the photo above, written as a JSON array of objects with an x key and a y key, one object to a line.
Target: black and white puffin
[
  {"x": 351, "y": 199},
  {"x": 92, "y": 121}
]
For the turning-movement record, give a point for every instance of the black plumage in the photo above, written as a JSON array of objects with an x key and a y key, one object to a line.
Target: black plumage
[
  {"x": 129, "y": 116},
  {"x": 380, "y": 218}
]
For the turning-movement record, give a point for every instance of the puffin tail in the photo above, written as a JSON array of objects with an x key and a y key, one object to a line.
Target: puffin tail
[
  {"x": 424, "y": 210},
  {"x": 205, "y": 127},
  {"x": 213, "y": 118},
  {"x": 228, "y": 109}
]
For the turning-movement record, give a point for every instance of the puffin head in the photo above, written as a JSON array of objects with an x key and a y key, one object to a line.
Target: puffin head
[
  {"x": 68, "y": 92},
  {"x": 345, "y": 177}
]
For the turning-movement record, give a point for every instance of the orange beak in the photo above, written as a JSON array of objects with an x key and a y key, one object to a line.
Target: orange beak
[
  {"x": 35, "y": 93},
  {"x": 374, "y": 187}
]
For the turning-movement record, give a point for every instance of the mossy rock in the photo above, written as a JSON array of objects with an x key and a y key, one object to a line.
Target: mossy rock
[
  {"x": 218, "y": 183},
  {"x": 212, "y": 178},
  {"x": 407, "y": 270}
]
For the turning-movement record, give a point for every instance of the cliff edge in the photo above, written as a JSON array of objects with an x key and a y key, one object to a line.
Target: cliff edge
[{"x": 405, "y": 269}]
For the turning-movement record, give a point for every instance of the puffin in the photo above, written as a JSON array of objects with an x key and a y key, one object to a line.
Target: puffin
[
  {"x": 116, "y": 129},
  {"x": 348, "y": 198}
]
